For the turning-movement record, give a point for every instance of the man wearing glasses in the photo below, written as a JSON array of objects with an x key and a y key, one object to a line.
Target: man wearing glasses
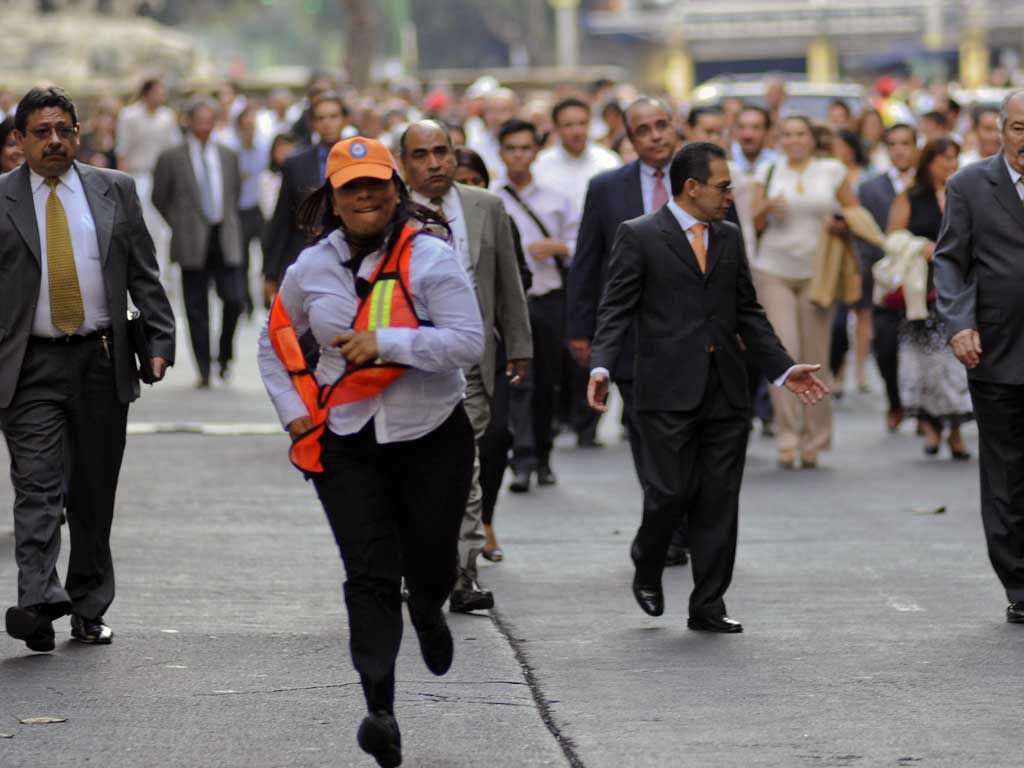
[
  {"x": 73, "y": 247},
  {"x": 681, "y": 273}
]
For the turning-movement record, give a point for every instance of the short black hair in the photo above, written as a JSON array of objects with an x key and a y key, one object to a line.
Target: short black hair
[
  {"x": 900, "y": 127},
  {"x": 983, "y": 109},
  {"x": 515, "y": 125},
  {"x": 282, "y": 138},
  {"x": 852, "y": 140},
  {"x": 696, "y": 114},
  {"x": 748, "y": 107},
  {"x": 467, "y": 158},
  {"x": 6, "y": 126},
  {"x": 41, "y": 98},
  {"x": 149, "y": 84},
  {"x": 402, "y": 151},
  {"x": 331, "y": 96},
  {"x": 568, "y": 103},
  {"x": 693, "y": 162},
  {"x": 842, "y": 105},
  {"x": 936, "y": 117}
]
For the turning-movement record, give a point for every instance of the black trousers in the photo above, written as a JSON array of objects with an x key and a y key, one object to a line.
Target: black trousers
[
  {"x": 395, "y": 510},
  {"x": 999, "y": 409},
  {"x": 533, "y": 406},
  {"x": 65, "y": 432},
  {"x": 230, "y": 285},
  {"x": 496, "y": 441},
  {"x": 693, "y": 458},
  {"x": 252, "y": 229},
  {"x": 886, "y": 346}
]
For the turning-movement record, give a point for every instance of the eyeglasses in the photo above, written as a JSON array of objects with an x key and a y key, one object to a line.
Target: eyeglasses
[
  {"x": 42, "y": 132},
  {"x": 725, "y": 188}
]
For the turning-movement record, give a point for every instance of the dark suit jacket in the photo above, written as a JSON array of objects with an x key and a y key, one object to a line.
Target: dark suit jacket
[
  {"x": 128, "y": 263},
  {"x": 876, "y": 195},
  {"x": 284, "y": 241},
  {"x": 176, "y": 195},
  {"x": 979, "y": 267},
  {"x": 684, "y": 318},
  {"x": 612, "y": 197}
]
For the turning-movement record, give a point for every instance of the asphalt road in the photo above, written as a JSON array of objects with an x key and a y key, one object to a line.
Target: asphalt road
[{"x": 874, "y": 631}]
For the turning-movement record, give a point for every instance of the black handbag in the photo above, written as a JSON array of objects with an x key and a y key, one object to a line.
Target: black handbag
[{"x": 140, "y": 347}]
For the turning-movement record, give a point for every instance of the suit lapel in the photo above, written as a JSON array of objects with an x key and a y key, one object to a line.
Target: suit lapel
[
  {"x": 677, "y": 240},
  {"x": 1007, "y": 196},
  {"x": 474, "y": 215},
  {"x": 633, "y": 194},
  {"x": 186, "y": 149},
  {"x": 715, "y": 246},
  {"x": 97, "y": 194},
  {"x": 23, "y": 212}
]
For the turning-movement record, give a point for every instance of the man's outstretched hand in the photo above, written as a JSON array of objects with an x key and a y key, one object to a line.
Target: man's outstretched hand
[{"x": 804, "y": 384}]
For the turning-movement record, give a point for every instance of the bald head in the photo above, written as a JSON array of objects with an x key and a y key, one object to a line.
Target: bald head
[
  {"x": 428, "y": 158},
  {"x": 650, "y": 129}
]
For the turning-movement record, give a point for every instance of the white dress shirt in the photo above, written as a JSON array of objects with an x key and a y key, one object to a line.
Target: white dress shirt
[
  {"x": 85, "y": 247},
  {"x": 143, "y": 135},
  {"x": 1015, "y": 178},
  {"x": 647, "y": 182},
  {"x": 897, "y": 181},
  {"x": 197, "y": 153},
  {"x": 453, "y": 213},
  {"x": 686, "y": 220},
  {"x": 562, "y": 221},
  {"x": 319, "y": 294},
  {"x": 557, "y": 169}
]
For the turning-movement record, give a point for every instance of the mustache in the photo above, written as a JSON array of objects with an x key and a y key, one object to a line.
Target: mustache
[{"x": 55, "y": 153}]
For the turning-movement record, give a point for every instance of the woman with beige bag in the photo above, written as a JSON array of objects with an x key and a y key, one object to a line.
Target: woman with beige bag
[{"x": 802, "y": 235}]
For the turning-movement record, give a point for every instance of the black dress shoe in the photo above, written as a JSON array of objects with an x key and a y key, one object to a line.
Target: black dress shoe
[
  {"x": 379, "y": 736},
  {"x": 1015, "y": 613},
  {"x": 714, "y": 624},
  {"x": 90, "y": 631},
  {"x": 676, "y": 555},
  {"x": 520, "y": 482},
  {"x": 545, "y": 476},
  {"x": 436, "y": 643},
  {"x": 468, "y": 596},
  {"x": 650, "y": 598},
  {"x": 33, "y": 625}
]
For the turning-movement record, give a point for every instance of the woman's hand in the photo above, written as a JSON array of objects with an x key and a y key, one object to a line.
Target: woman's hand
[
  {"x": 298, "y": 427},
  {"x": 357, "y": 347},
  {"x": 928, "y": 250}
]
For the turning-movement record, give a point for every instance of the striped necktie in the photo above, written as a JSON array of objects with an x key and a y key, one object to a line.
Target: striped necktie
[{"x": 67, "y": 311}]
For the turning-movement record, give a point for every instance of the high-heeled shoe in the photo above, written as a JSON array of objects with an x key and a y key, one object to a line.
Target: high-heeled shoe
[
  {"x": 956, "y": 448},
  {"x": 493, "y": 555},
  {"x": 787, "y": 458}
]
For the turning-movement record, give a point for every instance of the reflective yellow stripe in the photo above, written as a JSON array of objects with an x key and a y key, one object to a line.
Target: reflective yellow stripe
[
  {"x": 374, "y": 304},
  {"x": 388, "y": 296}
]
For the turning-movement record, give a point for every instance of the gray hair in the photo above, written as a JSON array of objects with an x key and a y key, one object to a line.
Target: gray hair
[
  {"x": 201, "y": 102},
  {"x": 654, "y": 101},
  {"x": 1004, "y": 108}
]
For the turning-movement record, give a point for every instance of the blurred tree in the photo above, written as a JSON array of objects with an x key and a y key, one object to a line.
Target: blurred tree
[{"x": 360, "y": 39}]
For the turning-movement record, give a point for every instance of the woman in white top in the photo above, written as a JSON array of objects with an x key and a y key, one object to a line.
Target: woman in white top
[{"x": 795, "y": 200}]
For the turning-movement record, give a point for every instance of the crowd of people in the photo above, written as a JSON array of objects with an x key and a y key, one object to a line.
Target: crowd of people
[{"x": 449, "y": 283}]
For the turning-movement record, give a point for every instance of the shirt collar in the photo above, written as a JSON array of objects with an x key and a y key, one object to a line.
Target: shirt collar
[
  {"x": 448, "y": 200},
  {"x": 685, "y": 219},
  {"x": 1014, "y": 176},
  {"x": 69, "y": 180},
  {"x": 650, "y": 170}
]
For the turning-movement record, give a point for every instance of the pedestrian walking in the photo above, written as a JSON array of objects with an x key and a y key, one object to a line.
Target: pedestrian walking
[
  {"x": 933, "y": 383},
  {"x": 74, "y": 246},
  {"x": 482, "y": 239},
  {"x": 196, "y": 188},
  {"x": 681, "y": 276},
  {"x": 11, "y": 155},
  {"x": 397, "y": 320}
]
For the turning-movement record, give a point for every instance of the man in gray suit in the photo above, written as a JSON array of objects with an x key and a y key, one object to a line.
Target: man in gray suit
[
  {"x": 979, "y": 271},
  {"x": 482, "y": 238},
  {"x": 196, "y": 186},
  {"x": 73, "y": 246}
]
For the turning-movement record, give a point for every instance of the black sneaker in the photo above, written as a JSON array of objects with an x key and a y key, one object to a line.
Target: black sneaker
[
  {"x": 468, "y": 596},
  {"x": 90, "y": 631},
  {"x": 379, "y": 736}
]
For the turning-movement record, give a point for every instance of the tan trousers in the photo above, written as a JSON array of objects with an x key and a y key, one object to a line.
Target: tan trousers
[
  {"x": 806, "y": 331},
  {"x": 471, "y": 533}
]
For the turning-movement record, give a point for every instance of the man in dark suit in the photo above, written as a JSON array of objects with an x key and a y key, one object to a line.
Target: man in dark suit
[
  {"x": 979, "y": 270},
  {"x": 680, "y": 277},
  {"x": 614, "y": 197},
  {"x": 301, "y": 174},
  {"x": 73, "y": 246},
  {"x": 196, "y": 187},
  {"x": 876, "y": 195}
]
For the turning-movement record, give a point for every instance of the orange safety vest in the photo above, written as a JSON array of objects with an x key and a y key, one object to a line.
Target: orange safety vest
[{"x": 388, "y": 305}]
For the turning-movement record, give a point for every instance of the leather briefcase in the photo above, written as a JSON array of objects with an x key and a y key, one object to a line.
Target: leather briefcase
[{"x": 140, "y": 347}]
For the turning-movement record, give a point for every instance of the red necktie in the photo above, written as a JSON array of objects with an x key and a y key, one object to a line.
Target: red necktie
[{"x": 660, "y": 196}]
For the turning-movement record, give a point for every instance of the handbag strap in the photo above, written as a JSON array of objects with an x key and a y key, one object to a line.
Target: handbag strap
[{"x": 529, "y": 211}]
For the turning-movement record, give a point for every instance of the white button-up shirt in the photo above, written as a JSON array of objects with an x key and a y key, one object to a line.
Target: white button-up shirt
[
  {"x": 142, "y": 135},
  {"x": 85, "y": 247},
  {"x": 557, "y": 169},
  {"x": 197, "y": 153},
  {"x": 452, "y": 204},
  {"x": 647, "y": 181},
  {"x": 560, "y": 218},
  {"x": 319, "y": 294}
]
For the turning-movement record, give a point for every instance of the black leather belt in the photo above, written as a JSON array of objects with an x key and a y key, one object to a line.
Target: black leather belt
[{"x": 74, "y": 339}]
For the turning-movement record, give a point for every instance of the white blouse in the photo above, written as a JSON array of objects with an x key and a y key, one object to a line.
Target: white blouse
[{"x": 790, "y": 239}]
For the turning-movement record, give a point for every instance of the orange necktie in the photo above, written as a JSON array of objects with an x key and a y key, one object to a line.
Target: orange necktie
[{"x": 698, "y": 245}]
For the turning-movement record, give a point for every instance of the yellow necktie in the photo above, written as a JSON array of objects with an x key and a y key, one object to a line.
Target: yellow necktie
[
  {"x": 698, "y": 245},
  {"x": 66, "y": 309}
]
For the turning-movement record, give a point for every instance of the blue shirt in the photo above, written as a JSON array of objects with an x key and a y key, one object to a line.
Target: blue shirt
[{"x": 319, "y": 294}]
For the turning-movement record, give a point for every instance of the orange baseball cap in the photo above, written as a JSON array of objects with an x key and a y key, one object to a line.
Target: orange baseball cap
[{"x": 359, "y": 158}]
